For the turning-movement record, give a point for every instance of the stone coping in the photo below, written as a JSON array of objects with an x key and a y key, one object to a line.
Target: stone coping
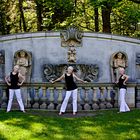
[
  {"x": 88, "y": 85},
  {"x": 57, "y": 34}
]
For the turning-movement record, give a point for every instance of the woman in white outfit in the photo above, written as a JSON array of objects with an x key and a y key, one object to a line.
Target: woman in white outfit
[
  {"x": 122, "y": 88},
  {"x": 71, "y": 88},
  {"x": 14, "y": 83}
]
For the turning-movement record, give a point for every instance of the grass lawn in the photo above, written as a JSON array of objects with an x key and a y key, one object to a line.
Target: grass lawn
[{"x": 43, "y": 125}]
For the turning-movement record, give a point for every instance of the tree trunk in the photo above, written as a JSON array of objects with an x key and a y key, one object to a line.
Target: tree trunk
[
  {"x": 22, "y": 15},
  {"x": 39, "y": 15},
  {"x": 106, "y": 11},
  {"x": 96, "y": 19},
  {"x": 2, "y": 24}
]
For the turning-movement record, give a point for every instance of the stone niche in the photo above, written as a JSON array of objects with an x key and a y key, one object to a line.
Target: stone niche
[
  {"x": 2, "y": 65},
  {"x": 118, "y": 60},
  {"x": 86, "y": 72},
  {"x": 138, "y": 66},
  {"x": 24, "y": 60}
]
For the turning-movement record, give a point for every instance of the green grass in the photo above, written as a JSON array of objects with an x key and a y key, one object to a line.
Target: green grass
[{"x": 43, "y": 125}]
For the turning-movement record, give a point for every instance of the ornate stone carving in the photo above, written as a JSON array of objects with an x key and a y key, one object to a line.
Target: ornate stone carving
[
  {"x": 137, "y": 65},
  {"x": 118, "y": 60},
  {"x": 2, "y": 64},
  {"x": 71, "y": 37},
  {"x": 72, "y": 55},
  {"x": 85, "y": 72},
  {"x": 138, "y": 59},
  {"x": 24, "y": 60}
]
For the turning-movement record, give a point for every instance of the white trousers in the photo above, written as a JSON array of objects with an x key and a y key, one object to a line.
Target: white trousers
[
  {"x": 65, "y": 102},
  {"x": 123, "y": 106},
  {"x": 18, "y": 96}
]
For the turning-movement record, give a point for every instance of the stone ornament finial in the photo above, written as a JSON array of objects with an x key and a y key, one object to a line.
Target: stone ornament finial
[{"x": 72, "y": 55}]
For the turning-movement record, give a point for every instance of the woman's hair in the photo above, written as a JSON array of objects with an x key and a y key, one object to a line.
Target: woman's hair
[
  {"x": 16, "y": 66},
  {"x": 122, "y": 69},
  {"x": 70, "y": 67}
]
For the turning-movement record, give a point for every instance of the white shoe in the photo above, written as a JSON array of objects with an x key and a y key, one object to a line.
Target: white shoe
[{"x": 23, "y": 111}]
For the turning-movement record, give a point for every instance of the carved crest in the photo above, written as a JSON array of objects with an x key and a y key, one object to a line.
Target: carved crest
[{"x": 71, "y": 37}]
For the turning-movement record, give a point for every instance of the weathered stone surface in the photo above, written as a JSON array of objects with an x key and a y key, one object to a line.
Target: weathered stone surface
[
  {"x": 138, "y": 105},
  {"x": 87, "y": 106},
  {"x": 109, "y": 105},
  {"x": 79, "y": 107},
  {"x": 102, "y": 106},
  {"x": 45, "y": 48},
  {"x": 95, "y": 106},
  {"x": 51, "y": 106}
]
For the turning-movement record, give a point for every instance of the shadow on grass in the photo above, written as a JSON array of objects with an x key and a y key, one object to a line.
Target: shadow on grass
[
  {"x": 43, "y": 125},
  {"x": 2, "y": 137}
]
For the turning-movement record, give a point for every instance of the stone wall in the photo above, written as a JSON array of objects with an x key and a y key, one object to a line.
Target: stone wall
[{"x": 45, "y": 48}]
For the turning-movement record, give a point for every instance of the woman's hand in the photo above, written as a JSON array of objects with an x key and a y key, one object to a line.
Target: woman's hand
[
  {"x": 9, "y": 84},
  {"x": 52, "y": 81},
  {"x": 124, "y": 83},
  {"x": 20, "y": 84}
]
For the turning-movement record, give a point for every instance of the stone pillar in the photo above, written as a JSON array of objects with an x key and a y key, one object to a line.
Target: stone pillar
[
  {"x": 59, "y": 100},
  {"x": 108, "y": 98},
  {"x": 102, "y": 99},
  {"x": 51, "y": 105},
  {"x": 79, "y": 100},
  {"x": 95, "y": 105},
  {"x": 44, "y": 99},
  {"x": 130, "y": 96},
  {"x": 4, "y": 99},
  {"x": 36, "y": 98},
  {"x": 87, "y": 106},
  {"x": 138, "y": 97}
]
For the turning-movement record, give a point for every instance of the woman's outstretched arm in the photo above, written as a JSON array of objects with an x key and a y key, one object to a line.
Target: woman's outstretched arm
[
  {"x": 77, "y": 78},
  {"x": 59, "y": 79}
]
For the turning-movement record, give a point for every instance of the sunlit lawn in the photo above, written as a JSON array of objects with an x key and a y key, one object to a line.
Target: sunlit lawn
[{"x": 42, "y": 125}]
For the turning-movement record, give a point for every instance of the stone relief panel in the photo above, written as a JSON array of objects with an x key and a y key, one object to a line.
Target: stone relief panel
[{"x": 86, "y": 72}]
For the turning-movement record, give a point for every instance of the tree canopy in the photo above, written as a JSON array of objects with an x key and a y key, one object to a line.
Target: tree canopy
[{"x": 110, "y": 16}]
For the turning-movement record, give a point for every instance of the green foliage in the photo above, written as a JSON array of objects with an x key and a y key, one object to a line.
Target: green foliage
[
  {"x": 125, "y": 18},
  {"x": 46, "y": 15}
]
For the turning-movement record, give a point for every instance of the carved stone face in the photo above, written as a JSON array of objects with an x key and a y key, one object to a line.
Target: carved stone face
[
  {"x": 119, "y": 55},
  {"x": 22, "y": 54}
]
